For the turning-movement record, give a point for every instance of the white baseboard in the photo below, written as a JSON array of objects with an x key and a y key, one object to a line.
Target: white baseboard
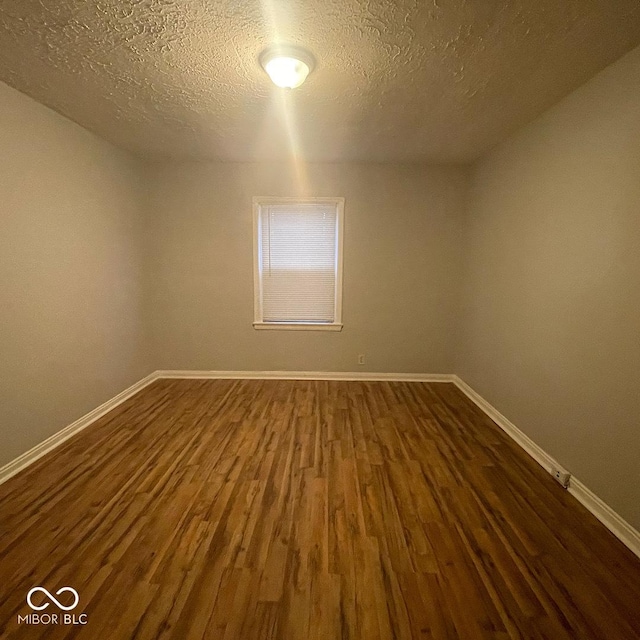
[
  {"x": 614, "y": 522},
  {"x": 537, "y": 453},
  {"x": 609, "y": 518},
  {"x": 307, "y": 375},
  {"x": 29, "y": 457},
  {"x": 600, "y": 509}
]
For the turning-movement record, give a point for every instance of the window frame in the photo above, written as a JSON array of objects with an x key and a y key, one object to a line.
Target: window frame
[{"x": 258, "y": 321}]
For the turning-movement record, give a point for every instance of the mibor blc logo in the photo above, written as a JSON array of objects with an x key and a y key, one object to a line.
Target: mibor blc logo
[{"x": 66, "y": 601}]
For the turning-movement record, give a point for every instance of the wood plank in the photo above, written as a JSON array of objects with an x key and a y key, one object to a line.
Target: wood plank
[{"x": 304, "y": 510}]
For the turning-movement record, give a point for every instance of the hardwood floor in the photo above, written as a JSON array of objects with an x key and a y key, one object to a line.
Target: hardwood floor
[{"x": 306, "y": 510}]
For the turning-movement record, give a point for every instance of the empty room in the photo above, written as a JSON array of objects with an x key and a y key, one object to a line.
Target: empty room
[{"x": 320, "y": 319}]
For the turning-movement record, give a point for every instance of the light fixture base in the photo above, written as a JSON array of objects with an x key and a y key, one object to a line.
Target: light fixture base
[{"x": 288, "y": 66}]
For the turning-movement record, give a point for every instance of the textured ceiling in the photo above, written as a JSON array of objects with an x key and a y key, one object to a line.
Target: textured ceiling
[{"x": 404, "y": 80}]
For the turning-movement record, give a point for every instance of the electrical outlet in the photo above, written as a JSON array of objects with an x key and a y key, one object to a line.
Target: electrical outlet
[
  {"x": 361, "y": 358},
  {"x": 561, "y": 476}
]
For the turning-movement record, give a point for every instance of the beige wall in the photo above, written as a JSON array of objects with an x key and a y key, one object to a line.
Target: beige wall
[
  {"x": 401, "y": 267},
  {"x": 551, "y": 321},
  {"x": 71, "y": 333}
]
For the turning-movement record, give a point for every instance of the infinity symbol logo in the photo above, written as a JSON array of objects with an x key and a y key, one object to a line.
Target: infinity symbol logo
[{"x": 58, "y": 592}]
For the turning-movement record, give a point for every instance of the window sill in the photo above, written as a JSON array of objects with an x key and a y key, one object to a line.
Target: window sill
[{"x": 298, "y": 326}]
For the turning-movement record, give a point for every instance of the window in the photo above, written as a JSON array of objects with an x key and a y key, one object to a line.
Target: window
[{"x": 298, "y": 263}]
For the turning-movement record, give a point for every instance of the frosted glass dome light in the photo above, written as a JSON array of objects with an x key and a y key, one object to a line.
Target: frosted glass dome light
[{"x": 288, "y": 67}]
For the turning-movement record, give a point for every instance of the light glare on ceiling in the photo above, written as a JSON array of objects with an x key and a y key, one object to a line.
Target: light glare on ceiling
[{"x": 288, "y": 67}]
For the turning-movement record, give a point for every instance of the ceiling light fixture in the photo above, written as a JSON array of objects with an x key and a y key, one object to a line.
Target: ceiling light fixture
[{"x": 288, "y": 67}]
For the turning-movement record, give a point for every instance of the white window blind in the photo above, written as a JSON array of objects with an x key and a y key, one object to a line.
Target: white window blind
[{"x": 298, "y": 256}]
